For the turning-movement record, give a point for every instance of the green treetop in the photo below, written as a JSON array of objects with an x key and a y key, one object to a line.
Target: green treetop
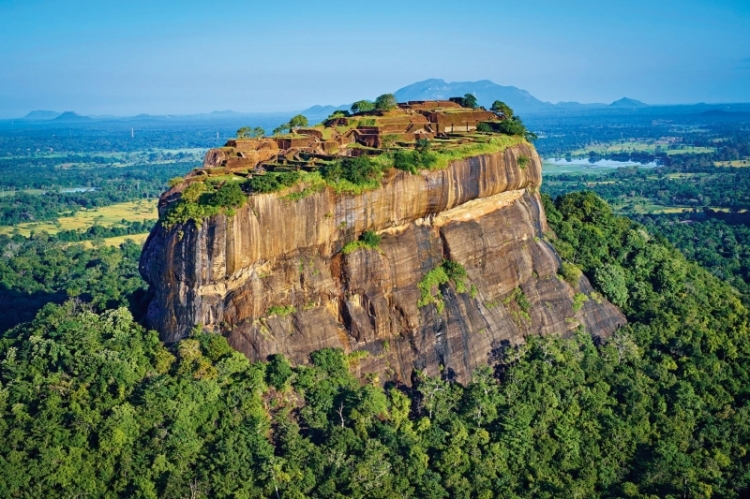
[
  {"x": 247, "y": 132},
  {"x": 362, "y": 106},
  {"x": 502, "y": 107},
  {"x": 470, "y": 101},
  {"x": 385, "y": 102},
  {"x": 298, "y": 121}
]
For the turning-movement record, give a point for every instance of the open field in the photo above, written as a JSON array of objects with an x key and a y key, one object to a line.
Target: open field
[
  {"x": 581, "y": 167},
  {"x": 738, "y": 163},
  {"x": 118, "y": 156},
  {"x": 117, "y": 241},
  {"x": 107, "y": 216},
  {"x": 673, "y": 176},
  {"x": 630, "y": 146},
  {"x": 27, "y": 191},
  {"x": 643, "y": 206}
]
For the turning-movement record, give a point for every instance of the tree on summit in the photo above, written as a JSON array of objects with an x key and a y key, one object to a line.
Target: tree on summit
[
  {"x": 385, "y": 102},
  {"x": 296, "y": 122},
  {"x": 362, "y": 106},
  {"x": 470, "y": 101},
  {"x": 502, "y": 107},
  {"x": 247, "y": 132}
]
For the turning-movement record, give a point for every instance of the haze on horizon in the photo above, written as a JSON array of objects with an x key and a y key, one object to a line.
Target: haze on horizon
[{"x": 179, "y": 58}]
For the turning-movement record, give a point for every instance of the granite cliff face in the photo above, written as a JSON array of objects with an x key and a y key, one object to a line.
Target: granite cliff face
[{"x": 235, "y": 274}]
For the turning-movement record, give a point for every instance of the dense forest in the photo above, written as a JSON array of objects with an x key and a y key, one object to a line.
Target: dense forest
[
  {"x": 700, "y": 208},
  {"x": 92, "y": 404},
  {"x": 559, "y": 135},
  {"x": 41, "y": 269},
  {"x": 110, "y": 186},
  {"x": 722, "y": 187}
]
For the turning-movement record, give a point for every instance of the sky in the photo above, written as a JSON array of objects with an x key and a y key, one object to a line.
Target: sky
[{"x": 167, "y": 57}]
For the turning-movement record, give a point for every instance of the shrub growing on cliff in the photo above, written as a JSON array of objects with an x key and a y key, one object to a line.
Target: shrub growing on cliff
[
  {"x": 229, "y": 195},
  {"x": 413, "y": 161},
  {"x": 201, "y": 200},
  {"x": 523, "y": 161},
  {"x": 360, "y": 171},
  {"x": 272, "y": 182},
  {"x": 407, "y": 161},
  {"x": 514, "y": 126},
  {"x": 369, "y": 239},
  {"x": 570, "y": 273},
  {"x": 429, "y": 286},
  {"x": 521, "y": 313}
]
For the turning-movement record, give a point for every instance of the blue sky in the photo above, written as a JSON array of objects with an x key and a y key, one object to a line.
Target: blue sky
[{"x": 132, "y": 57}]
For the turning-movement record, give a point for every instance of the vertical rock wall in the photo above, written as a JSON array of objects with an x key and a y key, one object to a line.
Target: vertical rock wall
[{"x": 482, "y": 212}]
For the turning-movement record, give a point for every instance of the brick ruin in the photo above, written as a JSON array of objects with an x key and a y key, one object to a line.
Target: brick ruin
[{"x": 362, "y": 133}]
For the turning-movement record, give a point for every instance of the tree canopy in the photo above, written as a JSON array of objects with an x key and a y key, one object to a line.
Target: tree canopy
[
  {"x": 298, "y": 121},
  {"x": 92, "y": 404},
  {"x": 362, "y": 106},
  {"x": 385, "y": 102},
  {"x": 502, "y": 107},
  {"x": 247, "y": 132},
  {"x": 470, "y": 101}
]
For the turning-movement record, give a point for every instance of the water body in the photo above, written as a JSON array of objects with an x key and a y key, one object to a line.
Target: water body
[
  {"x": 551, "y": 166},
  {"x": 69, "y": 190}
]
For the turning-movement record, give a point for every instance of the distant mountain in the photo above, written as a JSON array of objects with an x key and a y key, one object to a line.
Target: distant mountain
[
  {"x": 324, "y": 111},
  {"x": 627, "y": 103},
  {"x": 520, "y": 100},
  {"x": 71, "y": 117},
  {"x": 485, "y": 91},
  {"x": 41, "y": 115},
  {"x": 228, "y": 113},
  {"x": 144, "y": 117}
]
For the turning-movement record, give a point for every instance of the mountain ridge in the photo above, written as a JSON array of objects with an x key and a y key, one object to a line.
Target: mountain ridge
[{"x": 486, "y": 91}]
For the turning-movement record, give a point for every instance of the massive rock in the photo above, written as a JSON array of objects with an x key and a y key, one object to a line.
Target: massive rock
[{"x": 235, "y": 274}]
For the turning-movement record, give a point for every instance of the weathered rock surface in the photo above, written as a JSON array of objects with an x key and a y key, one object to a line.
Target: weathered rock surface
[{"x": 483, "y": 212}]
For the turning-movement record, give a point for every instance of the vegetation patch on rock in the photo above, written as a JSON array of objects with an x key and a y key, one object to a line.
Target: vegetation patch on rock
[
  {"x": 429, "y": 286},
  {"x": 201, "y": 200},
  {"x": 368, "y": 239}
]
